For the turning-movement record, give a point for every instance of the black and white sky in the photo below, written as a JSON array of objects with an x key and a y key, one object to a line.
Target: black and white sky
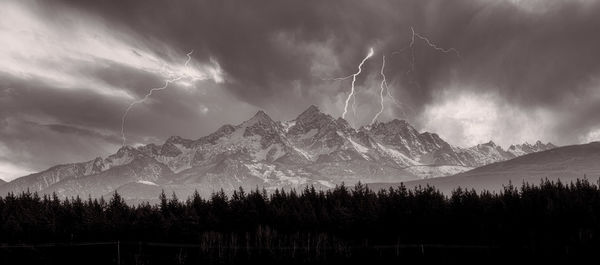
[{"x": 528, "y": 69}]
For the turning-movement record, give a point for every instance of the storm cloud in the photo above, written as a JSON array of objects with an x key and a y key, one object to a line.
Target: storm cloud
[{"x": 527, "y": 70}]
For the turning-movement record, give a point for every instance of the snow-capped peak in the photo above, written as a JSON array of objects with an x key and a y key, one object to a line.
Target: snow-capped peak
[
  {"x": 309, "y": 148},
  {"x": 259, "y": 117}
]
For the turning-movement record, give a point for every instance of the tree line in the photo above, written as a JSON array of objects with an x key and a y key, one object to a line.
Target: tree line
[{"x": 552, "y": 218}]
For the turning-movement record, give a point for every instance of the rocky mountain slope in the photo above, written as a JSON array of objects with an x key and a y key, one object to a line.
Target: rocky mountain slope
[{"x": 313, "y": 149}]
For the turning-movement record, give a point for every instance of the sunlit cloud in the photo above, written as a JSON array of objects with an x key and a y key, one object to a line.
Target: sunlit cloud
[
  {"x": 591, "y": 136},
  {"x": 10, "y": 171},
  {"x": 56, "y": 51},
  {"x": 470, "y": 118}
]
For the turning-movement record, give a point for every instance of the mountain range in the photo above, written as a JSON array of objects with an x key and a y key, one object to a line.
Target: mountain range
[{"x": 313, "y": 149}]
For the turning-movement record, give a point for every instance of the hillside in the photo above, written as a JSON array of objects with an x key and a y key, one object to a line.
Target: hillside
[{"x": 565, "y": 163}]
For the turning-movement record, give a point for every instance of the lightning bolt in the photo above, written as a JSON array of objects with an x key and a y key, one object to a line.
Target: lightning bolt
[
  {"x": 428, "y": 42},
  {"x": 152, "y": 90},
  {"x": 389, "y": 94},
  {"x": 337, "y": 78},
  {"x": 351, "y": 95},
  {"x": 432, "y": 45},
  {"x": 383, "y": 87}
]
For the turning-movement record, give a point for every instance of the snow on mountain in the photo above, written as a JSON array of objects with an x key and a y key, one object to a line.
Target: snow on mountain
[
  {"x": 147, "y": 182},
  {"x": 526, "y": 148},
  {"x": 313, "y": 149}
]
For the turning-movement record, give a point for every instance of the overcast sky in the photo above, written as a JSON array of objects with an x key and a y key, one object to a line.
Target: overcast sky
[{"x": 522, "y": 71}]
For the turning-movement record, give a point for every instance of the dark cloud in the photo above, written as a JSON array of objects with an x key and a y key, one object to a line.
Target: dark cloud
[
  {"x": 260, "y": 46},
  {"x": 534, "y": 59},
  {"x": 31, "y": 98},
  {"x": 531, "y": 55},
  {"x": 534, "y": 54}
]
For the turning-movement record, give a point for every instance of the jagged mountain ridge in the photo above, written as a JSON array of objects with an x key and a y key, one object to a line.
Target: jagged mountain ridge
[{"x": 313, "y": 149}]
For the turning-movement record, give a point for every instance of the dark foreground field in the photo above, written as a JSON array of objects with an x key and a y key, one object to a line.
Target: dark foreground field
[{"x": 551, "y": 223}]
